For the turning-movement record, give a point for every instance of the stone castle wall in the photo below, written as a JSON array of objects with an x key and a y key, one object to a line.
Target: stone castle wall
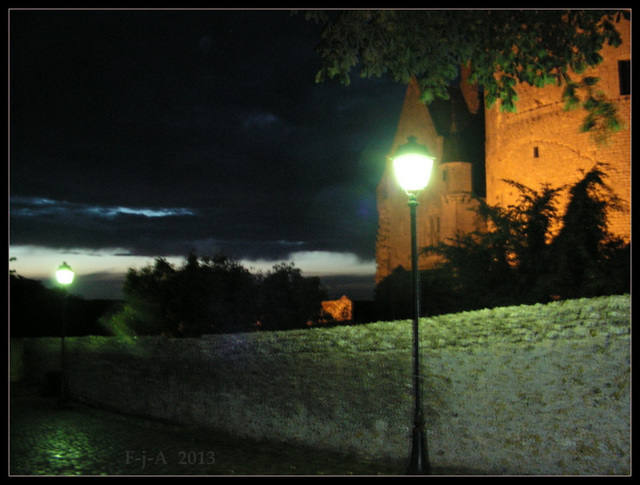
[
  {"x": 541, "y": 142},
  {"x": 542, "y": 389},
  {"x": 445, "y": 205}
]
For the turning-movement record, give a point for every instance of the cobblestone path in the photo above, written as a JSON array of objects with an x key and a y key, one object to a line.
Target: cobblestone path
[{"x": 49, "y": 439}]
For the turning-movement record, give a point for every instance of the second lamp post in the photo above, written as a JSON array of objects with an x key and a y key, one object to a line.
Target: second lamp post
[
  {"x": 412, "y": 165},
  {"x": 64, "y": 275}
]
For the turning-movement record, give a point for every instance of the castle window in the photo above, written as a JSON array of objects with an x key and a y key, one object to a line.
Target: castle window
[
  {"x": 444, "y": 175},
  {"x": 624, "y": 75},
  {"x": 536, "y": 152}
]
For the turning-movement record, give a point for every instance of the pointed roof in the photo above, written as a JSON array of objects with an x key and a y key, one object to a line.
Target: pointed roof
[
  {"x": 450, "y": 131},
  {"x": 415, "y": 120}
]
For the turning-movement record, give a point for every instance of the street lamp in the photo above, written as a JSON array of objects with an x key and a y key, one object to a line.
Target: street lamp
[
  {"x": 64, "y": 275},
  {"x": 412, "y": 165}
]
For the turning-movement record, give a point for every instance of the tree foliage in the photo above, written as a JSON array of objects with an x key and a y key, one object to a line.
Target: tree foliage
[
  {"x": 215, "y": 295},
  {"x": 33, "y": 309},
  {"x": 521, "y": 258},
  {"x": 201, "y": 296},
  {"x": 588, "y": 259},
  {"x": 289, "y": 300},
  {"x": 38, "y": 311},
  {"x": 501, "y": 47}
]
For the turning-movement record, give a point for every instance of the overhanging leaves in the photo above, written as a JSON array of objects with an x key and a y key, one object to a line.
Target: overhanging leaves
[{"x": 503, "y": 48}]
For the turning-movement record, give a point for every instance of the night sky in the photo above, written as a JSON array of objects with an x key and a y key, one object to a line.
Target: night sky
[{"x": 138, "y": 134}]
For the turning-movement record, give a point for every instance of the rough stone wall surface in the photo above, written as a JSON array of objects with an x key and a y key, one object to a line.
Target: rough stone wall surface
[{"x": 542, "y": 389}]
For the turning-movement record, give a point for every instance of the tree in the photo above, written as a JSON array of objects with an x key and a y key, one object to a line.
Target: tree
[
  {"x": 148, "y": 294},
  {"x": 232, "y": 294},
  {"x": 528, "y": 223},
  {"x": 288, "y": 300},
  {"x": 512, "y": 259},
  {"x": 393, "y": 296},
  {"x": 215, "y": 295},
  {"x": 500, "y": 47},
  {"x": 521, "y": 260},
  {"x": 37, "y": 311},
  {"x": 207, "y": 295},
  {"x": 587, "y": 256},
  {"x": 34, "y": 311}
]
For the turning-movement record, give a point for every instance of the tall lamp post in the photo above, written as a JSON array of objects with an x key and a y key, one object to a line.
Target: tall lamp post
[
  {"x": 412, "y": 165},
  {"x": 64, "y": 275}
]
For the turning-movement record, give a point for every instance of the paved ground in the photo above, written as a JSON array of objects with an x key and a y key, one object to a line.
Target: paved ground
[{"x": 49, "y": 439}]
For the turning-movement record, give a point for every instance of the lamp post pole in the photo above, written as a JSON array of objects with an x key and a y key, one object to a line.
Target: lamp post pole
[
  {"x": 64, "y": 275},
  {"x": 63, "y": 354},
  {"x": 419, "y": 461},
  {"x": 413, "y": 164}
]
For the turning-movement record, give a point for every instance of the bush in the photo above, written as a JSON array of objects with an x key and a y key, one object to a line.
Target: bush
[
  {"x": 519, "y": 261},
  {"x": 215, "y": 295},
  {"x": 288, "y": 300}
]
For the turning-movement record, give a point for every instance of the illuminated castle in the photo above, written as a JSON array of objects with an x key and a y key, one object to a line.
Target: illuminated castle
[{"x": 477, "y": 149}]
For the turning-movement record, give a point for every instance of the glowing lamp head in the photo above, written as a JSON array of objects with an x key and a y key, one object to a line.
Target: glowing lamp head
[
  {"x": 64, "y": 274},
  {"x": 412, "y": 165}
]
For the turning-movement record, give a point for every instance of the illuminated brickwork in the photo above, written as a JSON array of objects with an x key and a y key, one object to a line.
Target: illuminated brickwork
[
  {"x": 340, "y": 310},
  {"x": 446, "y": 203},
  {"x": 540, "y": 144}
]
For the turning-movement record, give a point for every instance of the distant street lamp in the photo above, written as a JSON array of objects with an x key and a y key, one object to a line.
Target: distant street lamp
[
  {"x": 412, "y": 165},
  {"x": 64, "y": 275}
]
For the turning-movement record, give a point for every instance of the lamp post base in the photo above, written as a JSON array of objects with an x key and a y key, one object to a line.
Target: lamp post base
[{"x": 419, "y": 462}]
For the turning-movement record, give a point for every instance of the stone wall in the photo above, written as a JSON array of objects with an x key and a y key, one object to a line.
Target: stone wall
[
  {"x": 541, "y": 143},
  {"x": 540, "y": 389}
]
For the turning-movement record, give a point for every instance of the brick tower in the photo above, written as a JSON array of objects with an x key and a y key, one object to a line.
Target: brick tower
[
  {"x": 541, "y": 142},
  {"x": 453, "y": 134}
]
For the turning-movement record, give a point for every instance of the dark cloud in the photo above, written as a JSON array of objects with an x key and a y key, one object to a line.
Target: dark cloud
[{"x": 214, "y": 115}]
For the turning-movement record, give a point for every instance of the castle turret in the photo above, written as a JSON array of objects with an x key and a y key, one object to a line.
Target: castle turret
[
  {"x": 445, "y": 205},
  {"x": 539, "y": 144}
]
